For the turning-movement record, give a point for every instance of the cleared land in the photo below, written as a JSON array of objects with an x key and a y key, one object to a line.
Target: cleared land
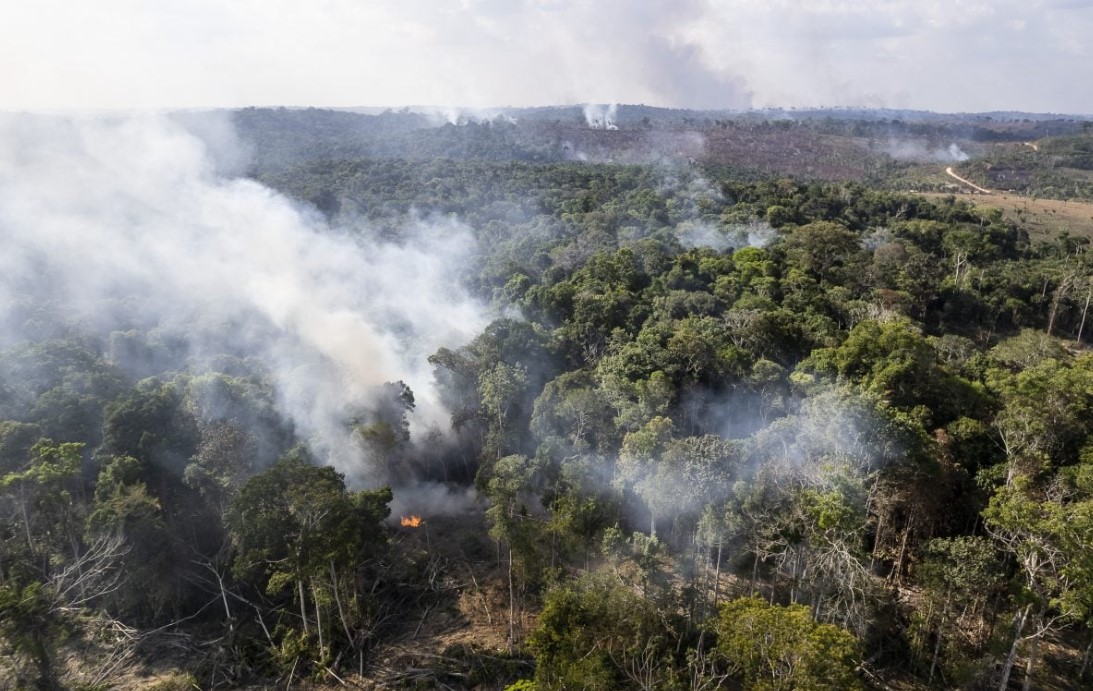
[{"x": 1042, "y": 218}]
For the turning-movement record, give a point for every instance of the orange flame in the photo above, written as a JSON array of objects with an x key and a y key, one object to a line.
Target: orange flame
[{"x": 411, "y": 521}]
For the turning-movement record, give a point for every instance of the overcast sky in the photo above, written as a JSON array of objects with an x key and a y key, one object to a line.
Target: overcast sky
[{"x": 944, "y": 55}]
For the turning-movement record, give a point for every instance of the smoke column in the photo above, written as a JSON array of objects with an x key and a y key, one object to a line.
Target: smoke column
[
  {"x": 601, "y": 117},
  {"x": 131, "y": 223}
]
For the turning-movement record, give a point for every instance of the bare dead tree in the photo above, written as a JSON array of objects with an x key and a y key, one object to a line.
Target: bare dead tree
[{"x": 95, "y": 574}]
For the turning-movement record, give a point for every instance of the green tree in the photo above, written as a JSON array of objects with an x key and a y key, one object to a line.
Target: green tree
[
  {"x": 501, "y": 389},
  {"x": 638, "y": 462},
  {"x": 509, "y": 488},
  {"x": 824, "y": 249},
  {"x": 296, "y": 528},
  {"x": 775, "y": 647},
  {"x": 30, "y": 626},
  {"x": 40, "y": 500},
  {"x": 596, "y": 634},
  {"x": 153, "y": 559}
]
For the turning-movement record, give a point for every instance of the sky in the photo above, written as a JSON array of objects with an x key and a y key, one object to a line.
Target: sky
[{"x": 942, "y": 55}]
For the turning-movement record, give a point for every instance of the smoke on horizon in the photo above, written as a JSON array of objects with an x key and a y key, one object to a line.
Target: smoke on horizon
[
  {"x": 601, "y": 117},
  {"x": 917, "y": 151}
]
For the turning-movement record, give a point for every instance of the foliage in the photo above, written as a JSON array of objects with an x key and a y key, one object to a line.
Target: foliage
[
  {"x": 829, "y": 390},
  {"x": 597, "y": 634},
  {"x": 774, "y": 647}
]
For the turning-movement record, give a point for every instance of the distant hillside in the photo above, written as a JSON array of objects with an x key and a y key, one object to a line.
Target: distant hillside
[
  {"x": 1055, "y": 167},
  {"x": 892, "y": 148}
]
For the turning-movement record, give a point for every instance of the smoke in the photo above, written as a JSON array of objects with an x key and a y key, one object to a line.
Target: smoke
[
  {"x": 691, "y": 53},
  {"x": 833, "y": 425},
  {"x": 131, "y": 223},
  {"x": 434, "y": 499},
  {"x": 921, "y": 152},
  {"x": 957, "y": 153},
  {"x": 452, "y": 115},
  {"x": 701, "y": 203},
  {"x": 601, "y": 117},
  {"x": 700, "y": 234},
  {"x": 725, "y": 237}
]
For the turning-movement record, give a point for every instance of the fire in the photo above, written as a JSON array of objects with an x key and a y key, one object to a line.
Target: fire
[{"x": 411, "y": 521}]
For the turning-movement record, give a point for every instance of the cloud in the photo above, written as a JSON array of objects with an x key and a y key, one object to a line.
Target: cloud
[
  {"x": 969, "y": 55},
  {"x": 131, "y": 223}
]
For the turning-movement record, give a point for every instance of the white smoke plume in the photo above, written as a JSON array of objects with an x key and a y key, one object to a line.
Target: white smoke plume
[
  {"x": 920, "y": 152},
  {"x": 731, "y": 236},
  {"x": 132, "y": 220},
  {"x": 452, "y": 115},
  {"x": 601, "y": 117}
]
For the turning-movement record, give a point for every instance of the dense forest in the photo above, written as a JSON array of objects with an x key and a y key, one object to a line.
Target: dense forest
[{"x": 719, "y": 428}]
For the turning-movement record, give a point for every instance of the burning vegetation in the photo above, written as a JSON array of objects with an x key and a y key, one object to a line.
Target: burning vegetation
[{"x": 827, "y": 395}]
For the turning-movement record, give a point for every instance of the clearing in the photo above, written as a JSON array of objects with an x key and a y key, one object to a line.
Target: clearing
[{"x": 1044, "y": 219}]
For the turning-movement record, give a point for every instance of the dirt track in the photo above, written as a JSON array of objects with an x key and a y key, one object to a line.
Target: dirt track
[{"x": 950, "y": 173}]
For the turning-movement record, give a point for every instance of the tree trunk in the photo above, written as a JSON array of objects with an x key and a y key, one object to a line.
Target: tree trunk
[
  {"x": 512, "y": 607},
  {"x": 553, "y": 547},
  {"x": 303, "y": 606},
  {"x": 903, "y": 548},
  {"x": 1085, "y": 311},
  {"x": 1085, "y": 658},
  {"x": 993, "y": 622},
  {"x": 318, "y": 621},
  {"x": 1034, "y": 649},
  {"x": 1018, "y": 627},
  {"x": 754, "y": 574},
  {"x": 224, "y": 598},
  {"x": 1061, "y": 292},
  {"x": 26, "y": 520},
  {"x": 47, "y": 680},
  {"x": 717, "y": 579},
  {"x": 940, "y": 637},
  {"x": 793, "y": 581},
  {"x": 876, "y": 544},
  {"x": 338, "y": 602}
]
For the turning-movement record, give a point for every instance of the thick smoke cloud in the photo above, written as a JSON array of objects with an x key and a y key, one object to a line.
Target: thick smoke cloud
[
  {"x": 599, "y": 117},
  {"x": 970, "y": 55},
  {"x": 131, "y": 223}
]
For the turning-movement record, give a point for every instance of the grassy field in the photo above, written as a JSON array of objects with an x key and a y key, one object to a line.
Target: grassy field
[{"x": 1042, "y": 218}]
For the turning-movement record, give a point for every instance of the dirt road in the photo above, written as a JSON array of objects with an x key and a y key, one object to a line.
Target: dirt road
[{"x": 950, "y": 173}]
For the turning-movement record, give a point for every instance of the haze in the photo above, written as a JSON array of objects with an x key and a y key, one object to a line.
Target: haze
[{"x": 963, "y": 56}]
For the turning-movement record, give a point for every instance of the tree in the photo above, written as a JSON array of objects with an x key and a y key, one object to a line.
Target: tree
[
  {"x": 510, "y": 484},
  {"x": 225, "y": 458},
  {"x": 296, "y": 528},
  {"x": 574, "y": 412},
  {"x": 638, "y": 462},
  {"x": 822, "y": 247},
  {"x": 30, "y": 627},
  {"x": 774, "y": 647},
  {"x": 153, "y": 560},
  {"x": 501, "y": 389},
  {"x": 596, "y": 634},
  {"x": 40, "y": 499},
  {"x": 1029, "y": 520},
  {"x": 894, "y": 360},
  {"x": 1046, "y": 414},
  {"x": 958, "y": 573}
]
